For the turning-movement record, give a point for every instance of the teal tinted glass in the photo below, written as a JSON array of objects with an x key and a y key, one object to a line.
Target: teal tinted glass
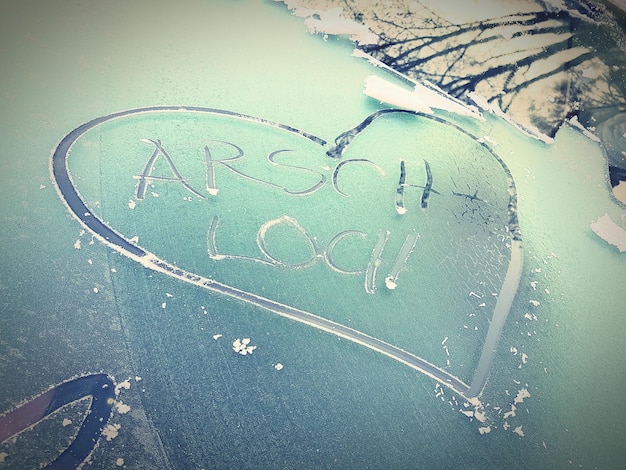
[{"x": 227, "y": 242}]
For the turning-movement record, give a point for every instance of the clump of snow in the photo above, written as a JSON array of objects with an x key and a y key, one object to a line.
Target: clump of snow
[
  {"x": 478, "y": 412},
  {"x": 510, "y": 414},
  {"x": 390, "y": 283},
  {"x": 125, "y": 384},
  {"x": 242, "y": 346},
  {"x": 121, "y": 408},
  {"x": 475, "y": 401},
  {"x": 111, "y": 431},
  {"x": 521, "y": 395},
  {"x": 480, "y": 415}
]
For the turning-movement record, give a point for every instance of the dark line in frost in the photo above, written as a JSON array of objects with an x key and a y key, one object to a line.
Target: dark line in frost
[
  {"x": 400, "y": 209},
  {"x": 101, "y": 389},
  {"x": 428, "y": 187}
]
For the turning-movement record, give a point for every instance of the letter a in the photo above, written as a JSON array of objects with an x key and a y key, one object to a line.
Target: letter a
[{"x": 147, "y": 177}]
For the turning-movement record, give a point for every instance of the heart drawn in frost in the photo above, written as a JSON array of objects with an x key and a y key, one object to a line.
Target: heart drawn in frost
[{"x": 405, "y": 228}]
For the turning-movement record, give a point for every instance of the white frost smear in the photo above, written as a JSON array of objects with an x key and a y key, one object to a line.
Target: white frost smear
[
  {"x": 610, "y": 232},
  {"x": 331, "y": 22},
  {"x": 422, "y": 99}
]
